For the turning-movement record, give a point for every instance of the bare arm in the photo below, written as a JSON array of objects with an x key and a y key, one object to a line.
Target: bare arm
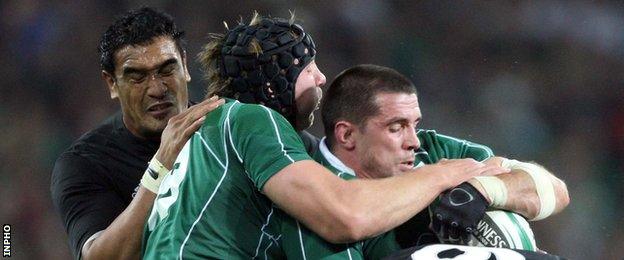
[
  {"x": 347, "y": 211},
  {"x": 122, "y": 238},
  {"x": 522, "y": 195}
]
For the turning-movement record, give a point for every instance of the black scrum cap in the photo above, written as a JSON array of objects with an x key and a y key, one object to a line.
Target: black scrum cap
[{"x": 268, "y": 76}]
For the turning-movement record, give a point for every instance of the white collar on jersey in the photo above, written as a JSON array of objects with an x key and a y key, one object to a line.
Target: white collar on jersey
[{"x": 333, "y": 160}]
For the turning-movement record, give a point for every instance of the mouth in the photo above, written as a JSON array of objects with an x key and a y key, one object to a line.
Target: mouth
[
  {"x": 160, "y": 110},
  {"x": 409, "y": 164}
]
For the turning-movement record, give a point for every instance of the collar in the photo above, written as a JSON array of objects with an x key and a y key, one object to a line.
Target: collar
[{"x": 333, "y": 160}]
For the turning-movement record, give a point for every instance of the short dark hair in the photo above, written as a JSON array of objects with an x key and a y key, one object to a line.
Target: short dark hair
[
  {"x": 351, "y": 96},
  {"x": 137, "y": 27}
]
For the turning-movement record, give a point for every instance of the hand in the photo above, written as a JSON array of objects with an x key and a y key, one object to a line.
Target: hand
[
  {"x": 453, "y": 172},
  {"x": 494, "y": 160},
  {"x": 458, "y": 213},
  {"x": 180, "y": 128}
]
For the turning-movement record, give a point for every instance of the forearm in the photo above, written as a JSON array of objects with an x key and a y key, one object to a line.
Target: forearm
[
  {"x": 522, "y": 195},
  {"x": 122, "y": 238},
  {"x": 346, "y": 211},
  {"x": 384, "y": 204}
]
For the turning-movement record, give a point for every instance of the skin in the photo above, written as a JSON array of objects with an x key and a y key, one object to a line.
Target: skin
[
  {"x": 384, "y": 146},
  {"x": 150, "y": 82},
  {"x": 347, "y": 211},
  {"x": 308, "y": 94}
]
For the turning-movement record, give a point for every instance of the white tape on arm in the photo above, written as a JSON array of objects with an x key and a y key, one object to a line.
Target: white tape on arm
[
  {"x": 153, "y": 176},
  {"x": 495, "y": 189},
  {"x": 543, "y": 186}
]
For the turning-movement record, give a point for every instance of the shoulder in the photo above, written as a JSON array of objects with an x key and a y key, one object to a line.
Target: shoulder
[
  {"x": 244, "y": 114},
  {"x": 82, "y": 153},
  {"x": 247, "y": 110},
  {"x": 98, "y": 136},
  {"x": 433, "y": 136}
]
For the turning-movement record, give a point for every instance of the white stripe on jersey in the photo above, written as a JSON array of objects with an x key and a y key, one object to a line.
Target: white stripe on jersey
[
  {"x": 188, "y": 235},
  {"x": 209, "y": 150},
  {"x": 265, "y": 250},
  {"x": 227, "y": 121},
  {"x": 301, "y": 241},
  {"x": 349, "y": 252},
  {"x": 262, "y": 231},
  {"x": 279, "y": 138}
]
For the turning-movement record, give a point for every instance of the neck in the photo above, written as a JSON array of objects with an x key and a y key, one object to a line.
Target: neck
[
  {"x": 349, "y": 159},
  {"x": 144, "y": 136}
]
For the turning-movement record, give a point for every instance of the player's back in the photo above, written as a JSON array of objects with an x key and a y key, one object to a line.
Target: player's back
[{"x": 211, "y": 205}]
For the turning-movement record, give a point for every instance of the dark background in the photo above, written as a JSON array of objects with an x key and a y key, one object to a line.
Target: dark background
[{"x": 538, "y": 80}]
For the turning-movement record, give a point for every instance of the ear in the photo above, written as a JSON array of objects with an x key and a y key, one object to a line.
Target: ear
[
  {"x": 344, "y": 134},
  {"x": 185, "y": 67},
  {"x": 111, "y": 83}
]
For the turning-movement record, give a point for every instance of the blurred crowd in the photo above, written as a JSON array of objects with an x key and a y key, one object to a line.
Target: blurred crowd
[{"x": 534, "y": 80}]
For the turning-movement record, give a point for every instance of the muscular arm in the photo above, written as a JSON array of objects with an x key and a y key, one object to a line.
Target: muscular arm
[
  {"x": 122, "y": 238},
  {"x": 346, "y": 211},
  {"x": 521, "y": 192}
]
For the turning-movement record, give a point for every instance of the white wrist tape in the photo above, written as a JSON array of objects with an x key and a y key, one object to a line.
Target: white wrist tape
[
  {"x": 495, "y": 189},
  {"x": 543, "y": 186},
  {"x": 154, "y": 174}
]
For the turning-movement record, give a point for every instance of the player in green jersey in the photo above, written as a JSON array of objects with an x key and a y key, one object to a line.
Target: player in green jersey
[
  {"x": 246, "y": 164},
  {"x": 371, "y": 114}
]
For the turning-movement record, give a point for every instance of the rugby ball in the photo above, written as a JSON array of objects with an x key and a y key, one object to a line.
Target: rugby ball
[{"x": 503, "y": 229}]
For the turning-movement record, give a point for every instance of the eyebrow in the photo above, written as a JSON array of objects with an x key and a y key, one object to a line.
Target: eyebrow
[
  {"x": 128, "y": 70},
  {"x": 400, "y": 120}
]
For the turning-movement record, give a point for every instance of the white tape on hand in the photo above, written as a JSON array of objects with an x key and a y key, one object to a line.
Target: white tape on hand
[
  {"x": 495, "y": 189},
  {"x": 153, "y": 176},
  {"x": 543, "y": 185}
]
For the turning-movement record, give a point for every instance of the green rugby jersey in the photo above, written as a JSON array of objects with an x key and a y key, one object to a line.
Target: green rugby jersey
[
  {"x": 211, "y": 205},
  {"x": 298, "y": 242},
  {"x": 301, "y": 243}
]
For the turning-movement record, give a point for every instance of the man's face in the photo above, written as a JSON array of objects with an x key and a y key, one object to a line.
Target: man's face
[
  {"x": 308, "y": 94},
  {"x": 386, "y": 144},
  {"x": 150, "y": 82}
]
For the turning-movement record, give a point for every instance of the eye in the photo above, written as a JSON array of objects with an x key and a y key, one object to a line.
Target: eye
[
  {"x": 136, "y": 77},
  {"x": 168, "y": 70},
  {"x": 394, "y": 128}
]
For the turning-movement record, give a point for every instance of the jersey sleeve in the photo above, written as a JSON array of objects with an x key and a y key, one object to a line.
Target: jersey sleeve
[
  {"x": 265, "y": 142},
  {"x": 380, "y": 246},
  {"x": 443, "y": 146},
  {"x": 86, "y": 203}
]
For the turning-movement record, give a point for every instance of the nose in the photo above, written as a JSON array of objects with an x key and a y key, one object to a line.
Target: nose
[
  {"x": 411, "y": 141},
  {"x": 320, "y": 79},
  {"x": 157, "y": 86}
]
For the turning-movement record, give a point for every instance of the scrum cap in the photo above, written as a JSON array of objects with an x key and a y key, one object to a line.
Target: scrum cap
[{"x": 264, "y": 60}]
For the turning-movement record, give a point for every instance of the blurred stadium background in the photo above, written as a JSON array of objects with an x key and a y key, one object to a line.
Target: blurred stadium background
[{"x": 537, "y": 80}]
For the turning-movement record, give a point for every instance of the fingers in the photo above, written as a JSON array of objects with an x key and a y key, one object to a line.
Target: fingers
[
  {"x": 204, "y": 107},
  {"x": 189, "y": 117},
  {"x": 194, "y": 126},
  {"x": 490, "y": 170},
  {"x": 200, "y": 107},
  {"x": 495, "y": 160}
]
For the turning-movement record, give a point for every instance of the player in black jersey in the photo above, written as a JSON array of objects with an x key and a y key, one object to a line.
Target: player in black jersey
[{"x": 95, "y": 183}]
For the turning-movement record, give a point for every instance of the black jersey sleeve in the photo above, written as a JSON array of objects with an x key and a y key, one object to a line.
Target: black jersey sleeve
[
  {"x": 84, "y": 199},
  {"x": 310, "y": 141}
]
